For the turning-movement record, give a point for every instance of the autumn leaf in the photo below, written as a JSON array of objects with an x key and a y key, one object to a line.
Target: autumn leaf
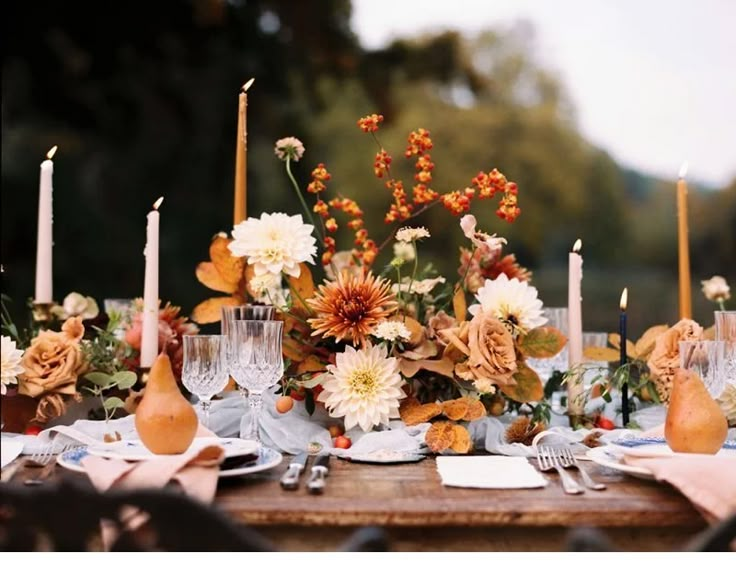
[
  {"x": 294, "y": 350},
  {"x": 601, "y": 354},
  {"x": 444, "y": 366},
  {"x": 542, "y": 343},
  {"x": 476, "y": 410},
  {"x": 415, "y": 328},
  {"x": 615, "y": 341},
  {"x": 210, "y": 277},
  {"x": 455, "y": 409},
  {"x": 210, "y": 311},
  {"x": 302, "y": 287},
  {"x": 461, "y": 442},
  {"x": 413, "y": 413},
  {"x": 459, "y": 305},
  {"x": 440, "y": 436},
  {"x": 229, "y": 267},
  {"x": 527, "y": 386},
  {"x": 311, "y": 364}
]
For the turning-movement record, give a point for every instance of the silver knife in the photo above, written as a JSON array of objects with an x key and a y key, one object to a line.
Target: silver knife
[
  {"x": 290, "y": 479},
  {"x": 320, "y": 469}
]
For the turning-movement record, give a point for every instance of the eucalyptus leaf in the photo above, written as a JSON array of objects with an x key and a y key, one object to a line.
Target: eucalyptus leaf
[
  {"x": 113, "y": 403},
  {"x": 125, "y": 379},
  {"x": 99, "y": 378}
]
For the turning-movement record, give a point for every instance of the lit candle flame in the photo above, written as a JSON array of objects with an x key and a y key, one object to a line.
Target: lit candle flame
[
  {"x": 683, "y": 170},
  {"x": 247, "y": 85},
  {"x": 578, "y": 246},
  {"x": 158, "y": 203},
  {"x": 52, "y": 152},
  {"x": 624, "y": 299}
]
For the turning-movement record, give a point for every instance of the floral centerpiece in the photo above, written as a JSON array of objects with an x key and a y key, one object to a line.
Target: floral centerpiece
[
  {"x": 382, "y": 335},
  {"x": 75, "y": 352}
]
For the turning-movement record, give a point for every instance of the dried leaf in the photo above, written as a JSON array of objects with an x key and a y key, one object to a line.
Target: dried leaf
[
  {"x": 601, "y": 354},
  {"x": 210, "y": 311},
  {"x": 440, "y": 436},
  {"x": 210, "y": 277},
  {"x": 527, "y": 386},
  {"x": 444, "y": 366},
  {"x": 476, "y": 409},
  {"x": 459, "y": 304},
  {"x": 645, "y": 345},
  {"x": 294, "y": 350},
  {"x": 413, "y": 413},
  {"x": 455, "y": 409},
  {"x": 461, "y": 442},
  {"x": 542, "y": 343},
  {"x": 416, "y": 329},
  {"x": 302, "y": 288},
  {"x": 229, "y": 267},
  {"x": 311, "y": 364}
]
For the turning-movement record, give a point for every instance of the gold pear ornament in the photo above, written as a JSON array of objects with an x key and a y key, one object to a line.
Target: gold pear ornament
[
  {"x": 165, "y": 421},
  {"x": 695, "y": 422}
]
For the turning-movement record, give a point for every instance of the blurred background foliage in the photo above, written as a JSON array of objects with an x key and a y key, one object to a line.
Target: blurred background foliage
[{"x": 141, "y": 98}]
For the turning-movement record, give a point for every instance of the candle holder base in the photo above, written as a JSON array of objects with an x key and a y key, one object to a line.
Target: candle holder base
[{"x": 42, "y": 312}]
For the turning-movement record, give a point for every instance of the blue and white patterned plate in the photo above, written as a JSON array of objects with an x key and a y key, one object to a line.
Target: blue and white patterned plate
[
  {"x": 648, "y": 441},
  {"x": 134, "y": 450},
  {"x": 267, "y": 459}
]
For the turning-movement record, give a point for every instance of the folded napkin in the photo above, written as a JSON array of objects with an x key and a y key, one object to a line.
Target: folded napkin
[
  {"x": 708, "y": 482},
  {"x": 195, "y": 474},
  {"x": 489, "y": 471}
]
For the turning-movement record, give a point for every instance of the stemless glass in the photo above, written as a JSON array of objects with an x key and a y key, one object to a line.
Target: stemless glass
[
  {"x": 706, "y": 359},
  {"x": 204, "y": 372},
  {"x": 256, "y": 362}
]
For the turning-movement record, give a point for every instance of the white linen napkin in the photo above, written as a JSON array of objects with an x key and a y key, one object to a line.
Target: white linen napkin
[{"x": 489, "y": 471}]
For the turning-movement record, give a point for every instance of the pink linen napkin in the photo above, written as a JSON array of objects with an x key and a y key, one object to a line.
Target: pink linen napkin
[
  {"x": 708, "y": 482},
  {"x": 195, "y": 473}
]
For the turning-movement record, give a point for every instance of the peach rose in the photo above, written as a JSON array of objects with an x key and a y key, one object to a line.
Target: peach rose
[
  {"x": 489, "y": 347},
  {"x": 53, "y": 361},
  {"x": 665, "y": 356}
]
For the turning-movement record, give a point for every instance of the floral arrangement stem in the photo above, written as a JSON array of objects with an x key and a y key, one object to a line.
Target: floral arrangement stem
[{"x": 298, "y": 192}]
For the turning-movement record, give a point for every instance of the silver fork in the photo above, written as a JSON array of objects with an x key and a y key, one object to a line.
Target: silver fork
[
  {"x": 568, "y": 461},
  {"x": 45, "y": 458},
  {"x": 549, "y": 461}
]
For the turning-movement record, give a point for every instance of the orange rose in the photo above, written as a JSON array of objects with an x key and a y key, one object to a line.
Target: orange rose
[
  {"x": 489, "y": 347},
  {"x": 665, "y": 357},
  {"x": 53, "y": 361}
]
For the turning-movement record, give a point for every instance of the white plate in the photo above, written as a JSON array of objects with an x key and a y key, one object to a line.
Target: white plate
[
  {"x": 383, "y": 457},
  {"x": 612, "y": 455},
  {"x": 134, "y": 450},
  {"x": 9, "y": 450},
  {"x": 267, "y": 459}
]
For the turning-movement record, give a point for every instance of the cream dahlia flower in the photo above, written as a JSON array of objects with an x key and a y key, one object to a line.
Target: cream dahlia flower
[
  {"x": 363, "y": 387},
  {"x": 11, "y": 364},
  {"x": 274, "y": 243},
  {"x": 512, "y": 301}
]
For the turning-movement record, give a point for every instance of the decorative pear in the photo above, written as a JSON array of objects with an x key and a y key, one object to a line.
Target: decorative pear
[
  {"x": 165, "y": 421},
  {"x": 695, "y": 422}
]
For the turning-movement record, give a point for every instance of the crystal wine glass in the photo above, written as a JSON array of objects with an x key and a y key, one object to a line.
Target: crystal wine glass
[
  {"x": 204, "y": 372},
  {"x": 255, "y": 361}
]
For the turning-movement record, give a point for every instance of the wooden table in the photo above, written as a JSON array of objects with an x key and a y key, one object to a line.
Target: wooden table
[{"x": 421, "y": 514}]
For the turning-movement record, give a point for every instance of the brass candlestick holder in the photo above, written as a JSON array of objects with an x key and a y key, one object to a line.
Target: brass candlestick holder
[{"x": 42, "y": 312}]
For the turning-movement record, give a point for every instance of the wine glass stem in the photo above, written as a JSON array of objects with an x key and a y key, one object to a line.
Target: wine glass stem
[
  {"x": 255, "y": 401},
  {"x": 206, "y": 412}
]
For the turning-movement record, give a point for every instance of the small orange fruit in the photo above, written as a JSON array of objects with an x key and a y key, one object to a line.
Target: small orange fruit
[
  {"x": 343, "y": 442},
  {"x": 335, "y": 430},
  {"x": 284, "y": 404}
]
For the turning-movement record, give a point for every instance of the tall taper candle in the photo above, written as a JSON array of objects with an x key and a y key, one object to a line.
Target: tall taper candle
[
  {"x": 240, "y": 206},
  {"x": 624, "y": 359},
  {"x": 149, "y": 333},
  {"x": 683, "y": 246},
  {"x": 44, "y": 293},
  {"x": 575, "y": 389}
]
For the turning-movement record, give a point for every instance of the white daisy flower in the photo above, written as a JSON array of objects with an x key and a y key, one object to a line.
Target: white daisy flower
[
  {"x": 274, "y": 243},
  {"x": 404, "y": 251},
  {"x": 363, "y": 387}
]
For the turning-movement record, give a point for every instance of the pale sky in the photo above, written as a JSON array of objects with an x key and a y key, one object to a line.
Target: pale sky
[{"x": 653, "y": 81}]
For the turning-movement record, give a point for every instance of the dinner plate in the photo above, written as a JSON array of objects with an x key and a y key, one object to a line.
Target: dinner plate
[
  {"x": 134, "y": 450},
  {"x": 267, "y": 458},
  {"x": 612, "y": 455},
  {"x": 384, "y": 457}
]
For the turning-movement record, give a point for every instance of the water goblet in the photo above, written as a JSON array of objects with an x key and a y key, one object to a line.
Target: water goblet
[
  {"x": 256, "y": 362},
  {"x": 705, "y": 358},
  {"x": 556, "y": 318},
  {"x": 204, "y": 371},
  {"x": 231, "y": 314}
]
